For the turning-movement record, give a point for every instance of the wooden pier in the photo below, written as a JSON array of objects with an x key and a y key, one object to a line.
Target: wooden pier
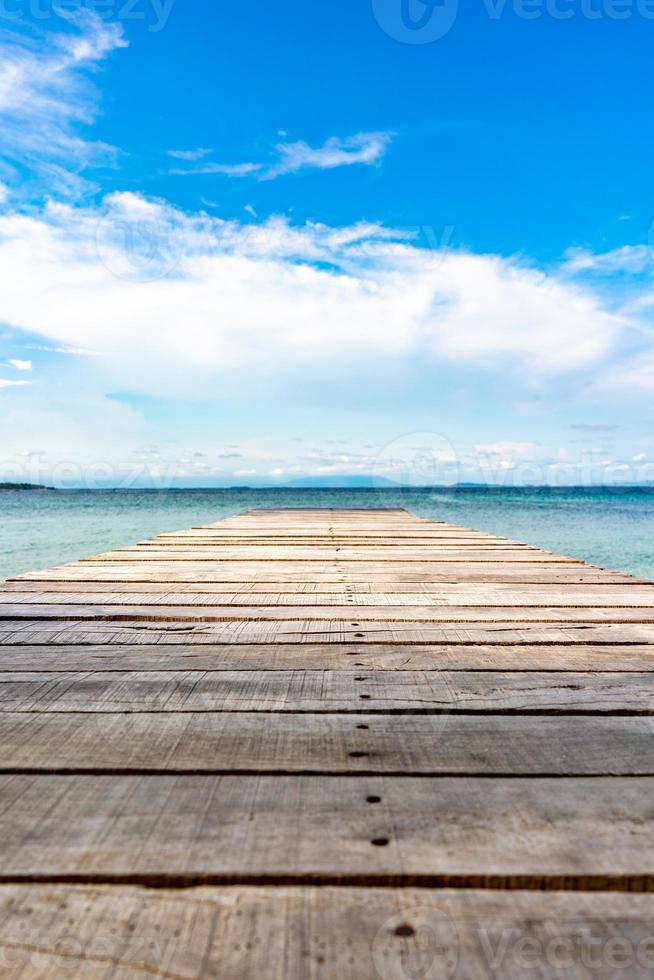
[{"x": 327, "y": 744}]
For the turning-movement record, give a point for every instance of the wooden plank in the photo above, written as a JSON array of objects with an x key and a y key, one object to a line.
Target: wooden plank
[
  {"x": 296, "y": 933},
  {"x": 408, "y": 602},
  {"x": 345, "y": 613},
  {"x": 343, "y": 690},
  {"x": 397, "y": 556},
  {"x": 312, "y": 744},
  {"x": 327, "y": 656},
  {"x": 74, "y": 631},
  {"x": 225, "y": 572},
  {"x": 580, "y": 833}
]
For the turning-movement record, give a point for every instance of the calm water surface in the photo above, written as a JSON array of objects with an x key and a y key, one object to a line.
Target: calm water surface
[{"x": 614, "y": 528}]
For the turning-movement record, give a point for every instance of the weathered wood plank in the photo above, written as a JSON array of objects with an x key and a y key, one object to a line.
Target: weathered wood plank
[
  {"x": 412, "y": 556},
  {"x": 346, "y": 612},
  {"x": 409, "y": 603},
  {"x": 330, "y": 744},
  {"x": 327, "y": 656},
  {"x": 354, "y": 690},
  {"x": 308, "y": 631},
  {"x": 315, "y": 572},
  {"x": 76, "y": 931},
  {"x": 584, "y": 832}
]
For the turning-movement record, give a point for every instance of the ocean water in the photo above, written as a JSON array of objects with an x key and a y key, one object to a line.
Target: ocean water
[{"x": 609, "y": 527}]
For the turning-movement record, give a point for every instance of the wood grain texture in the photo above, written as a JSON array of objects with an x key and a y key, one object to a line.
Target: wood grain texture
[
  {"x": 565, "y": 832},
  {"x": 217, "y": 612},
  {"x": 78, "y": 631},
  {"x": 214, "y": 742},
  {"x": 315, "y": 691},
  {"x": 326, "y": 656}
]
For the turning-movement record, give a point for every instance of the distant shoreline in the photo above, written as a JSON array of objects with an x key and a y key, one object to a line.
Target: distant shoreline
[
  {"x": 23, "y": 486},
  {"x": 341, "y": 488}
]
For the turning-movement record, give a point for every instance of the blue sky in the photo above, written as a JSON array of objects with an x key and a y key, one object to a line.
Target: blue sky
[{"x": 249, "y": 243}]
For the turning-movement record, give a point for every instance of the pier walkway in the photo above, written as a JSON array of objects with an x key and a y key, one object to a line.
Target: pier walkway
[{"x": 326, "y": 744}]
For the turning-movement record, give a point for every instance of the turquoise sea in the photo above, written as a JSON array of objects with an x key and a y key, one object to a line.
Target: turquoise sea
[{"x": 610, "y": 527}]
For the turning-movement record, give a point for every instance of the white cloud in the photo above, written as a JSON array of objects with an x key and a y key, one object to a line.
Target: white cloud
[
  {"x": 365, "y": 148},
  {"x": 362, "y": 148},
  {"x": 221, "y": 303},
  {"x": 20, "y": 365},
  {"x": 507, "y": 449},
  {"x": 77, "y": 351},
  {"x": 4, "y": 383},
  {"x": 45, "y": 95},
  {"x": 226, "y": 169},
  {"x": 633, "y": 259},
  {"x": 190, "y": 155},
  {"x": 635, "y": 374}
]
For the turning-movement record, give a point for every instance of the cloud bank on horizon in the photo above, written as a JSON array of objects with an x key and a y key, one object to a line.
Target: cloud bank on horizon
[{"x": 155, "y": 303}]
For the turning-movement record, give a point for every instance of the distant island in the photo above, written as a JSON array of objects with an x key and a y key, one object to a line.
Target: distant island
[
  {"x": 341, "y": 482},
  {"x": 23, "y": 486}
]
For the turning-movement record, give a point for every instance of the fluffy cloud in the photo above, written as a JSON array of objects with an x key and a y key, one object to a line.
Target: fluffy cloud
[{"x": 179, "y": 302}]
